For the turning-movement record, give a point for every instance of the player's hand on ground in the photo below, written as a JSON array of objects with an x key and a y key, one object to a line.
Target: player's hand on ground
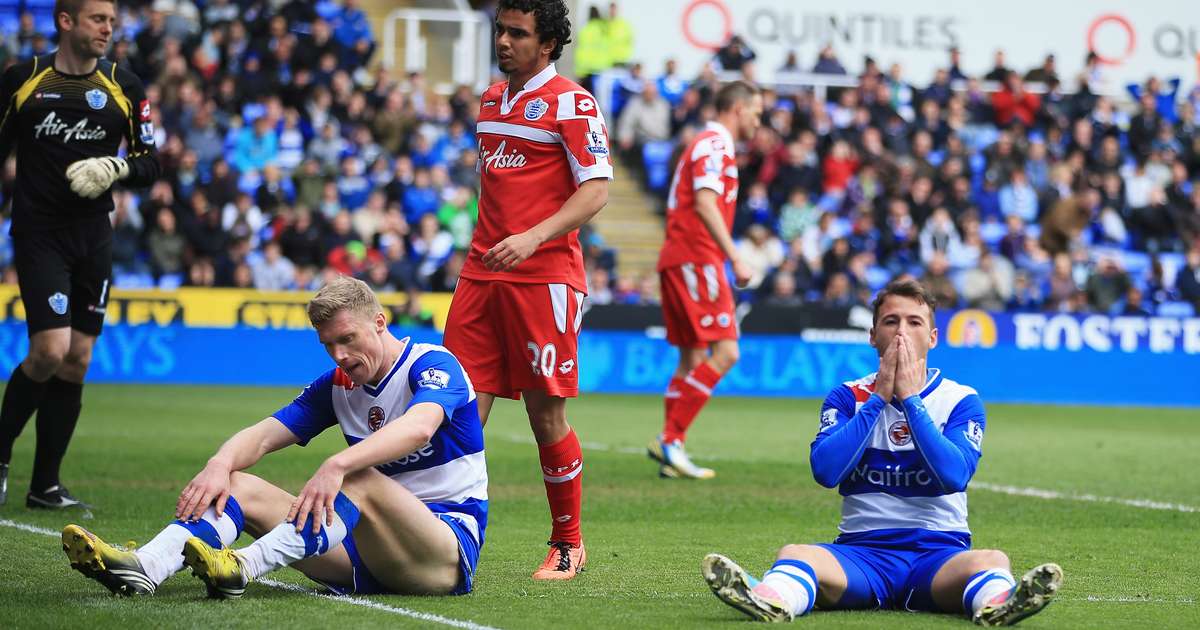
[
  {"x": 317, "y": 497},
  {"x": 741, "y": 273},
  {"x": 209, "y": 487},
  {"x": 510, "y": 252},
  {"x": 909, "y": 376},
  {"x": 885, "y": 379}
]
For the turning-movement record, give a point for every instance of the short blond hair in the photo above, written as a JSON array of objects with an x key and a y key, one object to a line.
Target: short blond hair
[{"x": 342, "y": 294}]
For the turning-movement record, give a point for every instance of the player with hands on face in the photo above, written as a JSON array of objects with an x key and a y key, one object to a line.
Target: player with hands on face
[{"x": 901, "y": 446}]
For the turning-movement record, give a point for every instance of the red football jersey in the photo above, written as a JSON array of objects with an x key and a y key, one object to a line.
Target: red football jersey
[
  {"x": 709, "y": 163},
  {"x": 535, "y": 148}
]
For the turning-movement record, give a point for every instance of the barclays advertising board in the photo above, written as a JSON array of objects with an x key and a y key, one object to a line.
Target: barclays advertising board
[{"x": 1008, "y": 358}]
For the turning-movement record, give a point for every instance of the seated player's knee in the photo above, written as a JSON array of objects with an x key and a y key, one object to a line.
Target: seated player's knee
[
  {"x": 990, "y": 559},
  {"x": 245, "y": 487},
  {"x": 799, "y": 552}
]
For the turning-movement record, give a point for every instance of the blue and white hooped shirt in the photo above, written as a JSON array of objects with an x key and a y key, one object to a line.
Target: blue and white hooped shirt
[{"x": 448, "y": 473}]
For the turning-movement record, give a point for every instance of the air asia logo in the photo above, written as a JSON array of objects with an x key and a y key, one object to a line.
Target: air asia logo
[
  {"x": 535, "y": 109},
  {"x": 50, "y": 96},
  {"x": 375, "y": 418},
  {"x": 498, "y": 159},
  {"x": 899, "y": 434},
  {"x": 52, "y": 126}
]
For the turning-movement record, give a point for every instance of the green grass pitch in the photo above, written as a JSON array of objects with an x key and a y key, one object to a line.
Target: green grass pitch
[{"x": 1126, "y": 566}]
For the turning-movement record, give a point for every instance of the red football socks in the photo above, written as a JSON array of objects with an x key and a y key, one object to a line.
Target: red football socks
[
  {"x": 562, "y": 470},
  {"x": 694, "y": 390}
]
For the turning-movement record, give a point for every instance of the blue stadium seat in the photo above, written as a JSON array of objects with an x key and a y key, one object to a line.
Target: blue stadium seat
[
  {"x": 877, "y": 277},
  {"x": 1135, "y": 263},
  {"x": 1176, "y": 309},
  {"x": 656, "y": 158},
  {"x": 992, "y": 232},
  {"x": 170, "y": 281}
]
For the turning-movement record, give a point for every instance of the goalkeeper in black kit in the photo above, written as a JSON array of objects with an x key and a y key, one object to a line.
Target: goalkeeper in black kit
[{"x": 65, "y": 114}]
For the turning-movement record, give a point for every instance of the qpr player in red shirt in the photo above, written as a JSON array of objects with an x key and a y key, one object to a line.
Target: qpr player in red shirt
[
  {"x": 697, "y": 300},
  {"x": 514, "y": 321}
]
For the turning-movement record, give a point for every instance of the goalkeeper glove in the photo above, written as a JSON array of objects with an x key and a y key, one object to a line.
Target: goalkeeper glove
[{"x": 91, "y": 177}]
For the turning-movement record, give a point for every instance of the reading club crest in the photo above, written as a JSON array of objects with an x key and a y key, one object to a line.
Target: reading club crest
[
  {"x": 96, "y": 99},
  {"x": 899, "y": 433},
  {"x": 374, "y": 418},
  {"x": 535, "y": 109}
]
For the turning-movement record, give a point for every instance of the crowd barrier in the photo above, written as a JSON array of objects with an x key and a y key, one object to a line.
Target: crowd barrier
[{"x": 1094, "y": 360}]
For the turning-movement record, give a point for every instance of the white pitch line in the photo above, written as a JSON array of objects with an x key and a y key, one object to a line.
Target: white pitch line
[
  {"x": 296, "y": 588},
  {"x": 1089, "y": 498},
  {"x": 1186, "y": 601},
  {"x": 980, "y": 485}
]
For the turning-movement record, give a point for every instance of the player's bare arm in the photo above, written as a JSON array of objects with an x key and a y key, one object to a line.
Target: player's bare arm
[
  {"x": 706, "y": 207},
  {"x": 397, "y": 439},
  {"x": 211, "y": 485},
  {"x": 579, "y": 208}
]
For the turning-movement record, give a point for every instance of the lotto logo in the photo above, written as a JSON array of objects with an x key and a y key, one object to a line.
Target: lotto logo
[
  {"x": 585, "y": 105},
  {"x": 144, "y": 110}
]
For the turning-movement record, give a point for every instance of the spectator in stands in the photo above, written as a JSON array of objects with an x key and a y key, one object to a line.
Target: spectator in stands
[
  {"x": 733, "y": 55},
  {"x": 644, "y": 119},
  {"x": 1107, "y": 284},
  {"x": 989, "y": 285},
  {"x": 166, "y": 246},
  {"x": 783, "y": 292},
  {"x": 1014, "y": 104},
  {"x": 827, "y": 62},
  {"x": 937, "y": 280},
  {"x": 1043, "y": 73},
  {"x": 256, "y": 146},
  {"x": 1188, "y": 278},
  {"x": 1026, "y": 297},
  {"x": 272, "y": 271},
  {"x": 1144, "y": 126},
  {"x": 938, "y": 237},
  {"x": 761, "y": 251},
  {"x": 838, "y": 292},
  {"x": 592, "y": 48},
  {"x": 1164, "y": 97},
  {"x": 1018, "y": 197},
  {"x": 620, "y": 37},
  {"x": 999, "y": 71},
  {"x": 670, "y": 85},
  {"x": 797, "y": 215},
  {"x": 955, "y": 70}
]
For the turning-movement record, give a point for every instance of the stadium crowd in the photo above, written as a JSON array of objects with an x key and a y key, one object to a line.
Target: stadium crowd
[
  {"x": 288, "y": 156},
  {"x": 1004, "y": 200}
]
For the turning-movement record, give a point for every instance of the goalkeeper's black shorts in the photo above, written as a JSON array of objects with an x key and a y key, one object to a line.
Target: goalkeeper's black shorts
[{"x": 65, "y": 275}]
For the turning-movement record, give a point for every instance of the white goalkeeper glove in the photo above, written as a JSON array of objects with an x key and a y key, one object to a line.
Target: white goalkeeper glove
[{"x": 91, "y": 177}]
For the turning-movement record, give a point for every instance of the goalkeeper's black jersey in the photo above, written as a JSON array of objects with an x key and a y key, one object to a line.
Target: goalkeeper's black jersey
[{"x": 54, "y": 119}]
